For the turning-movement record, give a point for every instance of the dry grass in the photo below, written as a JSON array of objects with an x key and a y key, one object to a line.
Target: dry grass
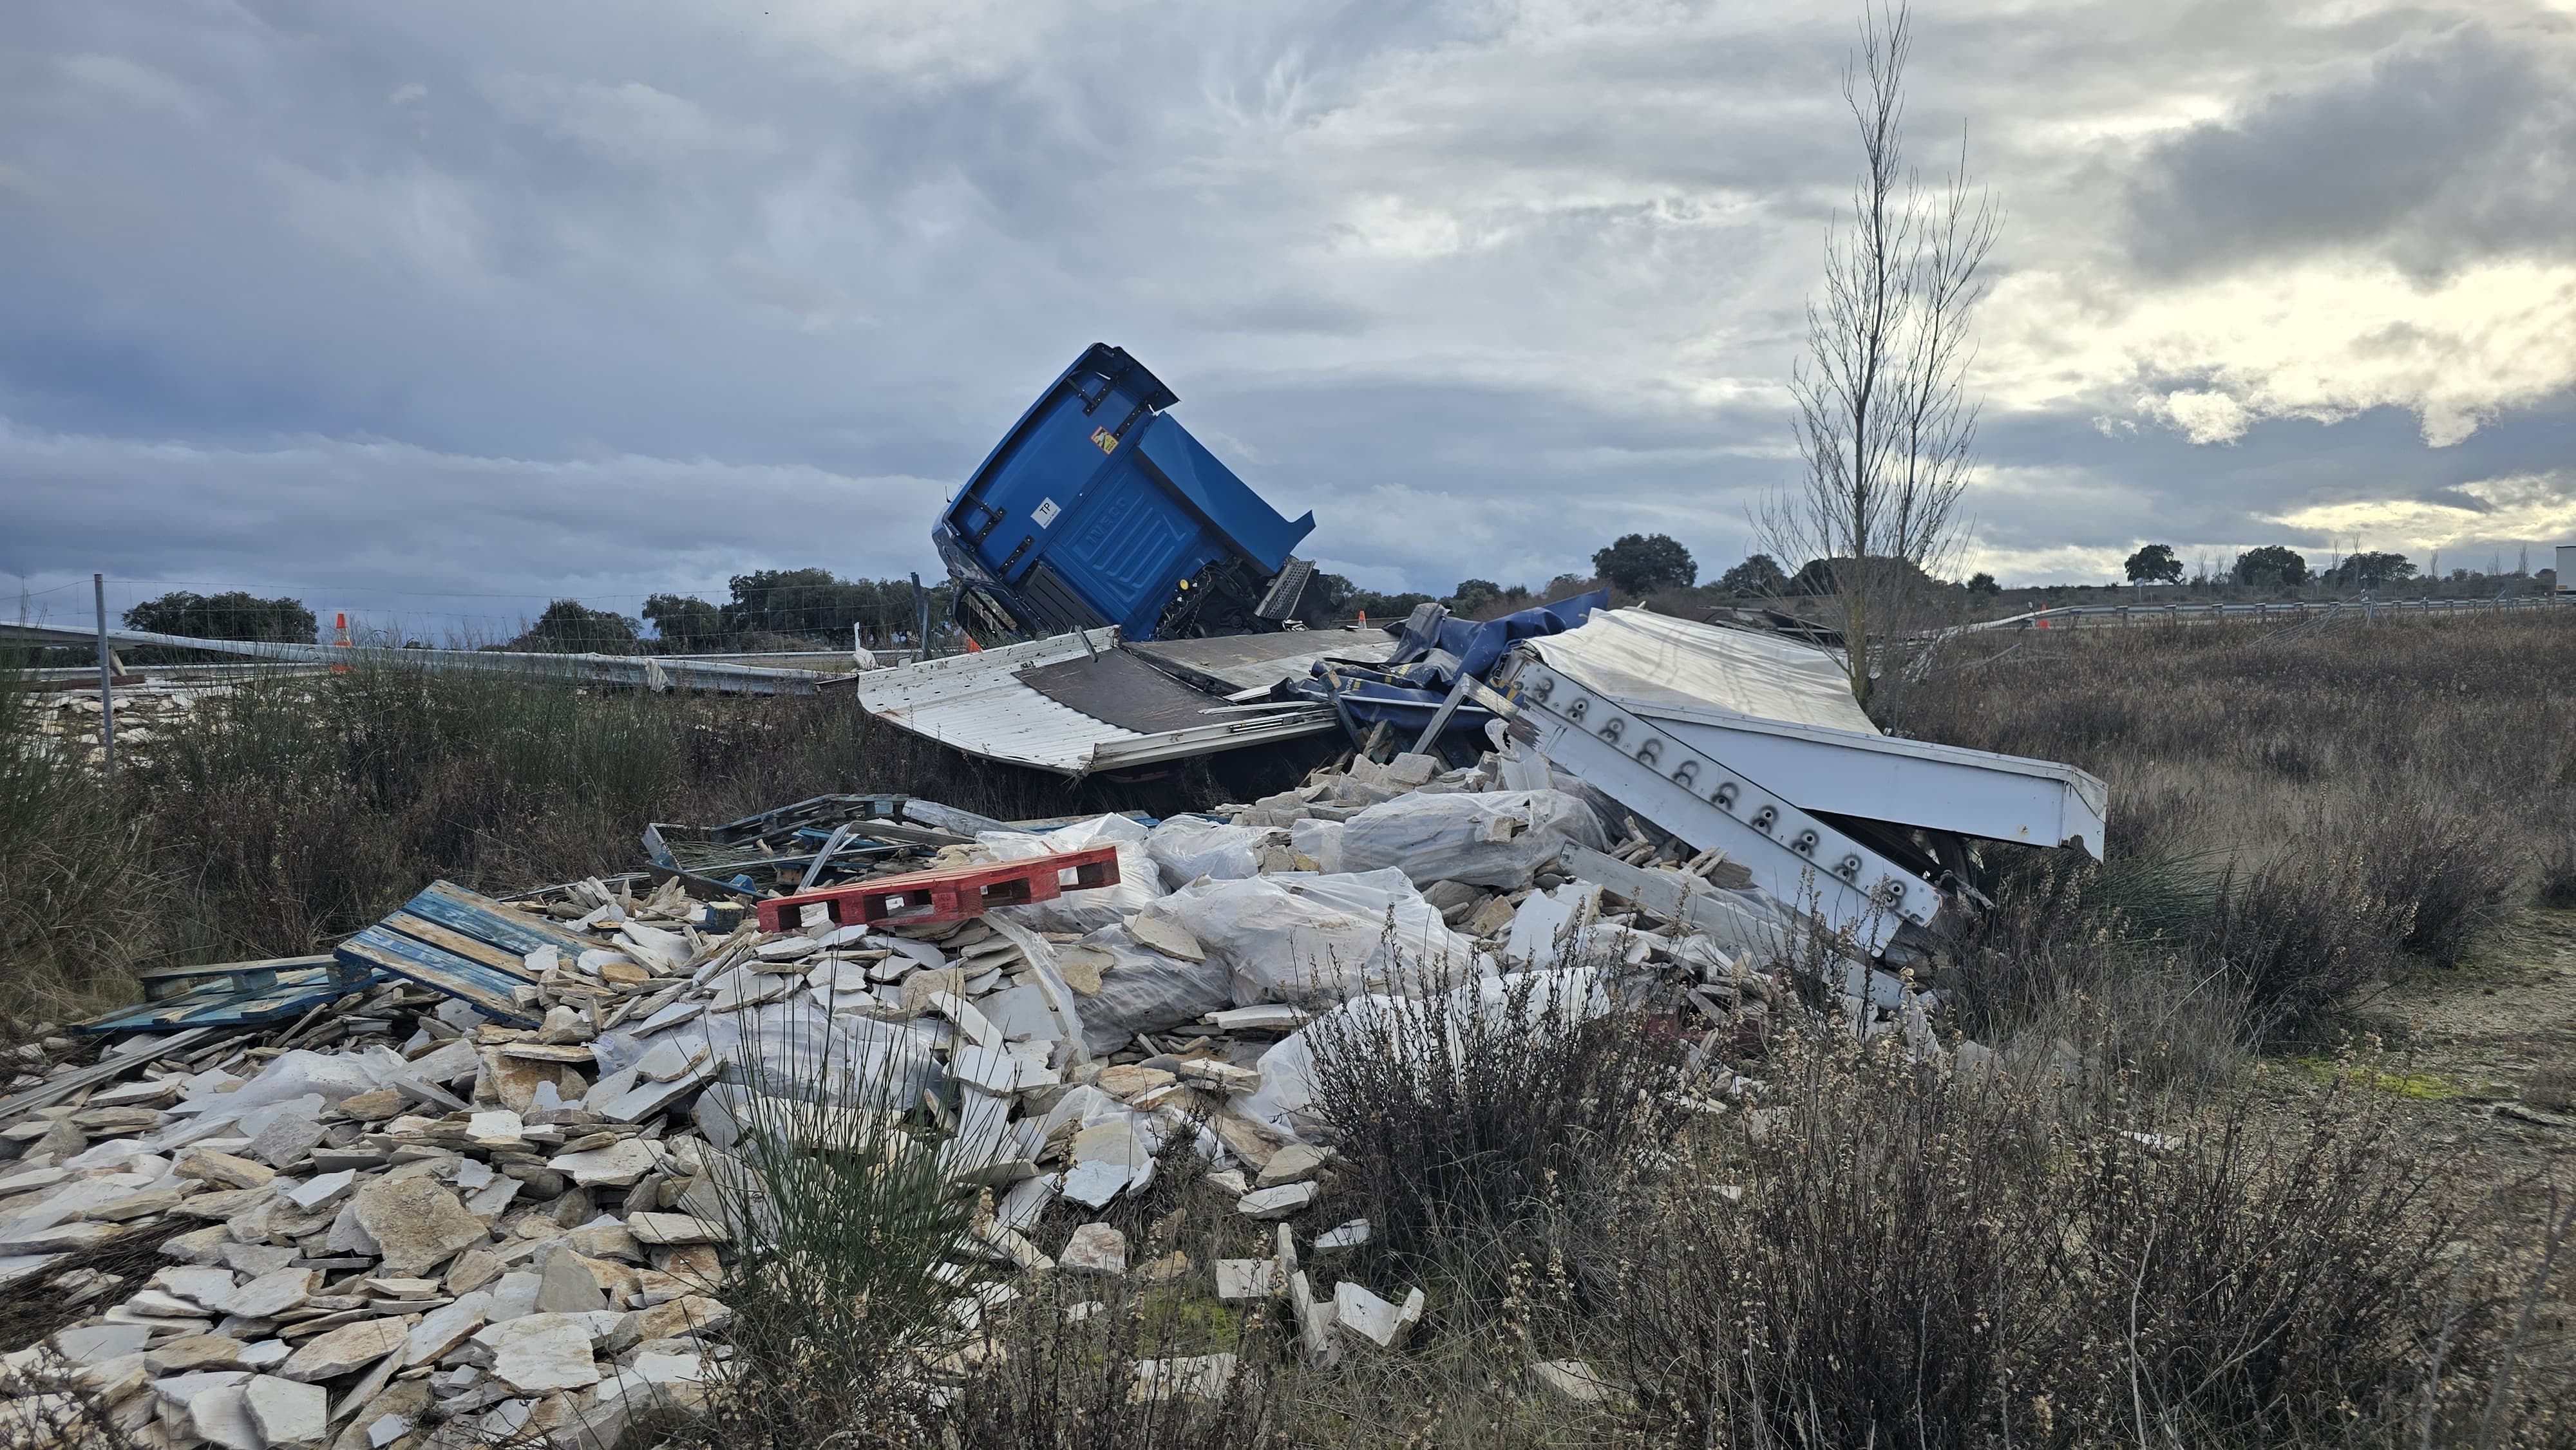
[
  {"x": 2037, "y": 1259},
  {"x": 2313, "y": 810},
  {"x": 294, "y": 812}
]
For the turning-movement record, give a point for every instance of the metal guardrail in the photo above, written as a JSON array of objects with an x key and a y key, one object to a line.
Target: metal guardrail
[
  {"x": 657, "y": 672},
  {"x": 2100, "y": 615}
]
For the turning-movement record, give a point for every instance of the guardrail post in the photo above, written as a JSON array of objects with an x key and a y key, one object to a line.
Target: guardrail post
[{"x": 106, "y": 678}]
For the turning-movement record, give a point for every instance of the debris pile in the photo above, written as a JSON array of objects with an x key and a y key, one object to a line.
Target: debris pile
[
  {"x": 66, "y": 721},
  {"x": 480, "y": 1187}
]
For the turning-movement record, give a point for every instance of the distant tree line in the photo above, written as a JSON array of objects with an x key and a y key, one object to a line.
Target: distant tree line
[
  {"x": 764, "y": 608},
  {"x": 235, "y": 614},
  {"x": 2277, "y": 566},
  {"x": 773, "y": 608}
]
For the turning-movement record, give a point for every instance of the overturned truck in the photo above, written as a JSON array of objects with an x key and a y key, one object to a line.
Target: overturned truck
[{"x": 1142, "y": 606}]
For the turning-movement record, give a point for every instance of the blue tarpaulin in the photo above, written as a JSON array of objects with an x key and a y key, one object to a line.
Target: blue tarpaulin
[
  {"x": 1476, "y": 645},
  {"x": 1431, "y": 651}
]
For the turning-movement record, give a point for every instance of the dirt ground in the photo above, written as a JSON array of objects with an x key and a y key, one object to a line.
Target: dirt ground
[
  {"x": 2489, "y": 1047},
  {"x": 2484, "y": 1054}
]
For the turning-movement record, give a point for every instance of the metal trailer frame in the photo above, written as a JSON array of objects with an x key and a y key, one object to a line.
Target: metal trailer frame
[
  {"x": 1907, "y": 782},
  {"x": 1802, "y": 860}
]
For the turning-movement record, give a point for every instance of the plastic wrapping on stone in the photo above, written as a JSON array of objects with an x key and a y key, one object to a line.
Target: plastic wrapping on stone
[
  {"x": 1142, "y": 990},
  {"x": 1296, "y": 936},
  {"x": 1500, "y": 839},
  {"x": 1189, "y": 847}
]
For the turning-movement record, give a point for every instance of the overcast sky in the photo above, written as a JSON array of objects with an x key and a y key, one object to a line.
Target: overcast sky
[{"x": 448, "y": 307}]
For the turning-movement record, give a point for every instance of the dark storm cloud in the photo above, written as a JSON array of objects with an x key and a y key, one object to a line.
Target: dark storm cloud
[
  {"x": 507, "y": 300},
  {"x": 2454, "y": 148}
]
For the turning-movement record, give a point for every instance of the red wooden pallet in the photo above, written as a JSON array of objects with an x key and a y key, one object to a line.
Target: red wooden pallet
[{"x": 927, "y": 898}]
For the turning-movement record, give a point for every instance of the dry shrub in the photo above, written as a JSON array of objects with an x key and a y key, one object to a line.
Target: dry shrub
[
  {"x": 844, "y": 1210},
  {"x": 1464, "y": 1114},
  {"x": 2558, "y": 874},
  {"x": 2380, "y": 790},
  {"x": 1967, "y": 1260},
  {"x": 2551, "y": 1085},
  {"x": 2102, "y": 953},
  {"x": 2301, "y": 932}
]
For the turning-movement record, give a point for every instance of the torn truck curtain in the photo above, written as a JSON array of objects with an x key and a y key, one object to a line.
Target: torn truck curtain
[
  {"x": 1098, "y": 508},
  {"x": 1432, "y": 651}
]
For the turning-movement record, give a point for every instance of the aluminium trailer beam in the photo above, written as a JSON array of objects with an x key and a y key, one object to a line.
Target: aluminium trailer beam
[{"x": 1799, "y": 858}]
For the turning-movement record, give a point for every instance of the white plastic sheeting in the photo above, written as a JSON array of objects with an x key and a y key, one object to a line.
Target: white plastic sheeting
[
  {"x": 1319, "y": 841},
  {"x": 1499, "y": 839},
  {"x": 1143, "y": 990},
  {"x": 1299, "y": 937},
  {"x": 291, "y": 1074},
  {"x": 795, "y": 1049},
  {"x": 1189, "y": 847}
]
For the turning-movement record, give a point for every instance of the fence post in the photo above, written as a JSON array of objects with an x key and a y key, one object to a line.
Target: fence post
[{"x": 106, "y": 678}]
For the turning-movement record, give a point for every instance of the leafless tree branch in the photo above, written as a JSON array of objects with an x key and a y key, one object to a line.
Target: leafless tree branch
[{"x": 1885, "y": 422}]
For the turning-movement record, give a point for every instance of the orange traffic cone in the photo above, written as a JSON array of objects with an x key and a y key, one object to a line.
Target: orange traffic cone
[
  {"x": 340, "y": 637},
  {"x": 972, "y": 647}
]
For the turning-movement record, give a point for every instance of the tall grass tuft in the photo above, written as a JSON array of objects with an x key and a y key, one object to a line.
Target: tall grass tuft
[
  {"x": 1063, "y": 1374},
  {"x": 288, "y": 812},
  {"x": 77, "y": 902}
]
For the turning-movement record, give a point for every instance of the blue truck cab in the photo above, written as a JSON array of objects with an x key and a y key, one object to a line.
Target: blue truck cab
[{"x": 1098, "y": 507}]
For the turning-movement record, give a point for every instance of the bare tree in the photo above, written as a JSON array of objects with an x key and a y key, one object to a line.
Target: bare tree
[{"x": 1885, "y": 421}]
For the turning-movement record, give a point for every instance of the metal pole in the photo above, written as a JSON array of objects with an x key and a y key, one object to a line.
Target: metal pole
[
  {"x": 106, "y": 677},
  {"x": 920, "y": 621},
  {"x": 1429, "y": 742}
]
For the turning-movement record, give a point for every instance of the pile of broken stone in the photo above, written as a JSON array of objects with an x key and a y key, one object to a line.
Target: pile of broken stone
[{"x": 449, "y": 1229}]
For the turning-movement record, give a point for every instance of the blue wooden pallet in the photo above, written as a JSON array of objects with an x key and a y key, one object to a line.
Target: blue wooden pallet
[
  {"x": 465, "y": 946},
  {"x": 233, "y": 994}
]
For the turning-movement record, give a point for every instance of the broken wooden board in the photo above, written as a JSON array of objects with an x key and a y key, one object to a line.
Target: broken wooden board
[
  {"x": 465, "y": 946},
  {"x": 488, "y": 990},
  {"x": 232, "y": 994},
  {"x": 106, "y": 1069}
]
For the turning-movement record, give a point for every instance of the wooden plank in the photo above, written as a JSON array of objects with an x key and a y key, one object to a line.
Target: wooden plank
[
  {"x": 488, "y": 991},
  {"x": 215, "y": 1009},
  {"x": 500, "y": 959},
  {"x": 18, "y": 1105},
  {"x": 232, "y": 1002},
  {"x": 221, "y": 969},
  {"x": 486, "y": 920}
]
